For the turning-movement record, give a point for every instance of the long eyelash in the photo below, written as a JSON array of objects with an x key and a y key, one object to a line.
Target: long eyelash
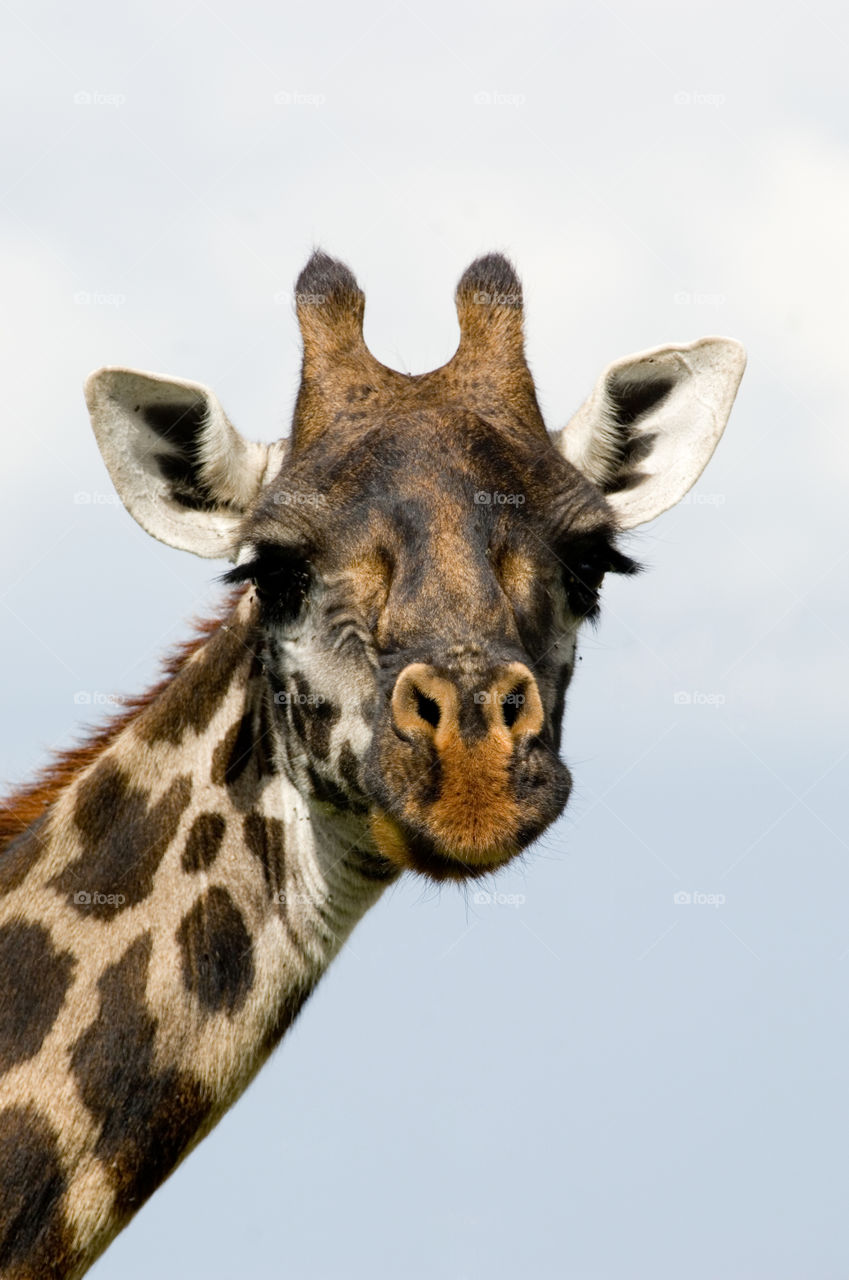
[
  {"x": 268, "y": 561},
  {"x": 241, "y": 573},
  {"x": 282, "y": 578},
  {"x": 618, "y": 562}
]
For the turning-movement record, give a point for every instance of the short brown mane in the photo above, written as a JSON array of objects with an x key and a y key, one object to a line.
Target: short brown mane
[{"x": 28, "y": 802}]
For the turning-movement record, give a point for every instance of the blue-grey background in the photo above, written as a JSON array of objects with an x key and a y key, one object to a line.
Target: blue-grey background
[{"x": 587, "y": 1079}]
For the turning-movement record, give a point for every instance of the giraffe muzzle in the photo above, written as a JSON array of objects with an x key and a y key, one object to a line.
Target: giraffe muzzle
[{"x": 467, "y": 779}]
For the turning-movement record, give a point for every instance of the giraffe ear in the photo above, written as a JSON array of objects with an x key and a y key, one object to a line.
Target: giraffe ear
[
  {"x": 652, "y": 422},
  {"x": 181, "y": 469}
]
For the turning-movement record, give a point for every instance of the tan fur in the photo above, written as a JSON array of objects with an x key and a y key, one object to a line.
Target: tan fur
[
  {"x": 215, "y": 1053},
  {"x": 196, "y": 863}
]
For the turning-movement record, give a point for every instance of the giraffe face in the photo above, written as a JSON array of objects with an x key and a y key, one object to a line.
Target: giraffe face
[
  {"x": 421, "y": 588},
  {"x": 422, "y": 549}
]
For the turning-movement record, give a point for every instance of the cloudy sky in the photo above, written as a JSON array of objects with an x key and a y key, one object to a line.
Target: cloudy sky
[{"x": 588, "y": 1079}]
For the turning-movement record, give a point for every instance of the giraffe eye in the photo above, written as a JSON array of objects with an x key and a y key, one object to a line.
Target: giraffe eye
[
  {"x": 583, "y": 579},
  {"x": 283, "y": 591},
  {"x": 282, "y": 577},
  {"x": 584, "y": 569}
]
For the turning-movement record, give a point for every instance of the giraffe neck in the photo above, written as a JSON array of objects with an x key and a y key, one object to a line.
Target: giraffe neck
[{"x": 163, "y": 922}]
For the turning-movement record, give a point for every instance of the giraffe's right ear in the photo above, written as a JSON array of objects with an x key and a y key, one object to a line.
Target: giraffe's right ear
[{"x": 180, "y": 467}]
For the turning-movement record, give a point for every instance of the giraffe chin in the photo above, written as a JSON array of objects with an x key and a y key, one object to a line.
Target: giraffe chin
[{"x": 413, "y": 851}]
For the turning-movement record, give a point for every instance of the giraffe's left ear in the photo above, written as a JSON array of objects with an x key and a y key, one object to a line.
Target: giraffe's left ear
[
  {"x": 180, "y": 467},
  {"x": 652, "y": 422}
]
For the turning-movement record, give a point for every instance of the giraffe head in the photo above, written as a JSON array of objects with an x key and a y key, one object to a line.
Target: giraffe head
[{"x": 423, "y": 551}]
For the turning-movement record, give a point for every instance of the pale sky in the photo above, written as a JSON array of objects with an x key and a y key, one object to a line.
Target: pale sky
[{"x": 591, "y": 1081}]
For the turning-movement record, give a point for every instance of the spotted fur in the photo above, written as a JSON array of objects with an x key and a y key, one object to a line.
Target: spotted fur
[{"x": 383, "y": 690}]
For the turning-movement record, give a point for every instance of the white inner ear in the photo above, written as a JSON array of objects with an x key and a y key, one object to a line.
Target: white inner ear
[
  {"x": 201, "y": 513},
  {"x": 653, "y": 420}
]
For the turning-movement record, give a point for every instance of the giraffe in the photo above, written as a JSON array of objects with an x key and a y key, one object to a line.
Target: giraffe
[{"x": 382, "y": 691}]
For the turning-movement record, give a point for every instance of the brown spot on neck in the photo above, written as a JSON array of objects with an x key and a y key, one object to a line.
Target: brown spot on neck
[
  {"x": 34, "y": 979},
  {"x": 203, "y": 842},
  {"x": 28, "y": 803},
  {"x": 264, "y": 837},
  {"x": 217, "y": 950},
  {"x": 35, "y": 1240},
  {"x": 21, "y": 854},
  {"x": 191, "y": 699},
  {"x": 149, "y": 1114},
  {"x": 124, "y": 839}
]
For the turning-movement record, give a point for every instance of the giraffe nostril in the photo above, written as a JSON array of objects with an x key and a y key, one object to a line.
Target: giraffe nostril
[
  {"x": 422, "y": 701},
  {"x": 427, "y": 708},
  {"x": 512, "y": 704}
]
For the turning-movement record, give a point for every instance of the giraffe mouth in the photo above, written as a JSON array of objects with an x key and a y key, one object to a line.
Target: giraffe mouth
[
  {"x": 490, "y": 801},
  {"x": 412, "y": 850}
]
